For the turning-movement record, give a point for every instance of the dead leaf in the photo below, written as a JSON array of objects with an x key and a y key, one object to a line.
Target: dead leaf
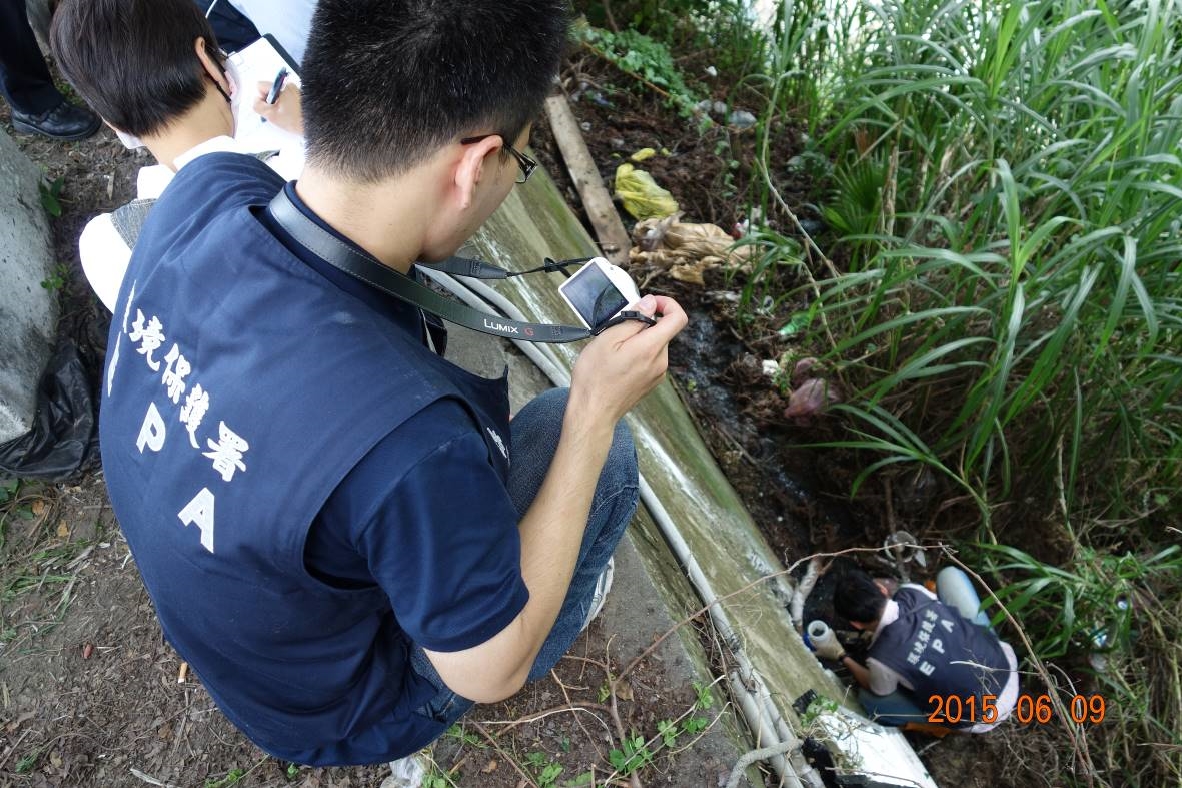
[
  {"x": 63, "y": 530},
  {"x": 87, "y": 650},
  {"x": 624, "y": 691},
  {"x": 55, "y": 758},
  {"x": 489, "y": 767},
  {"x": 38, "y": 507}
]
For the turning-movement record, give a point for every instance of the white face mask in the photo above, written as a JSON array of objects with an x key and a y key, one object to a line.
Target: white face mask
[{"x": 129, "y": 142}]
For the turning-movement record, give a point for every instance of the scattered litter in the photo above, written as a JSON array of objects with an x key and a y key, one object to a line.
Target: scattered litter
[
  {"x": 643, "y": 154},
  {"x": 641, "y": 195},
  {"x": 585, "y": 126},
  {"x": 64, "y": 437},
  {"x": 685, "y": 249},
  {"x": 711, "y": 71},
  {"x": 719, "y": 108},
  {"x": 407, "y": 772},
  {"x": 741, "y": 119},
  {"x": 771, "y": 367},
  {"x": 799, "y": 321}
]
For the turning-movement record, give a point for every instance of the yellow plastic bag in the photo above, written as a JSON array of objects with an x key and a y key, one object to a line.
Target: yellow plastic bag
[{"x": 641, "y": 195}]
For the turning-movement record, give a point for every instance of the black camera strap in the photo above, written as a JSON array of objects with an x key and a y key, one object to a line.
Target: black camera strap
[{"x": 365, "y": 268}]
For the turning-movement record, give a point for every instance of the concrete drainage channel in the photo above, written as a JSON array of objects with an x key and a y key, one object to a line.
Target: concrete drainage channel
[{"x": 702, "y": 524}]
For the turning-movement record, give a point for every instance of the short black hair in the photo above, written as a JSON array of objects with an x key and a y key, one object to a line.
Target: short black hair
[
  {"x": 133, "y": 60},
  {"x": 858, "y": 598},
  {"x": 386, "y": 83}
]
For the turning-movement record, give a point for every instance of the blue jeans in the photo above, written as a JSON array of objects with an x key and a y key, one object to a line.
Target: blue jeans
[{"x": 534, "y": 434}]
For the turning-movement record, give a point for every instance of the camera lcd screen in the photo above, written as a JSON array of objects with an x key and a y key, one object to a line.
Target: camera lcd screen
[{"x": 593, "y": 295}]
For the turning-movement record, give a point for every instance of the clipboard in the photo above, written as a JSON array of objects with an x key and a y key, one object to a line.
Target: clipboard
[{"x": 260, "y": 62}]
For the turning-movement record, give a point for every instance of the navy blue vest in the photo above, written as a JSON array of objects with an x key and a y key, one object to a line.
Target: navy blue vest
[
  {"x": 240, "y": 388},
  {"x": 939, "y": 652}
]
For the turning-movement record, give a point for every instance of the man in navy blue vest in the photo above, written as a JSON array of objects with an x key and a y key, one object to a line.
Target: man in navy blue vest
[
  {"x": 925, "y": 652},
  {"x": 323, "y": 510}
]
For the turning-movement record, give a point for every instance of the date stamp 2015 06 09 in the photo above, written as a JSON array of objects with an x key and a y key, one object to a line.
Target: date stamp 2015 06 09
[{"x": 1030, "y": 709}]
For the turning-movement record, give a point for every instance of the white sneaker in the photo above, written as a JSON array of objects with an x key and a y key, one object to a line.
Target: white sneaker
[
  {"x": 602, "y": 586},
  {"x": 407, "y": 772}
]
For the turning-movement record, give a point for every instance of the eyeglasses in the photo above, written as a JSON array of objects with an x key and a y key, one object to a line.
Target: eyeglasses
[{"x": 525, "y": 163}]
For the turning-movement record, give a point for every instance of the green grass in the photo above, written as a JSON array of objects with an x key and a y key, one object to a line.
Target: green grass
[{"x": 1006, "y": 198}]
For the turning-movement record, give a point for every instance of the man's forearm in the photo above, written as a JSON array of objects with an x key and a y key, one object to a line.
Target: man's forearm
[
  {"x": 860, "y": 671},
  {"x": 551, "y": 533}
]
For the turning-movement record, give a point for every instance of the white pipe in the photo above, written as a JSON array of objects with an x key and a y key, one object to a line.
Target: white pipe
[
  {"x": 747, "y": 687},
  {"x": 803, "y": 589},
  {"x": 766, "y": 735}
]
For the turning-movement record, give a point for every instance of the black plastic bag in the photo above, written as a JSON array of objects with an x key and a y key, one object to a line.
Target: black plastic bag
[{"x": 64, "y": 437}]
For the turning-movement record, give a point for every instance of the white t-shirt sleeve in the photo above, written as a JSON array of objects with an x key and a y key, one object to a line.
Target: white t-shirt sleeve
[
  {"x": 104, "y": 257},
  {"x": 883, "y": 680}
]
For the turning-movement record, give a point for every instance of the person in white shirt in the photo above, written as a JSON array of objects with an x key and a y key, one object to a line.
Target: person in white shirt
[
  {"x": 156, "y": 74},
  {"x": 932, "y": 660}
]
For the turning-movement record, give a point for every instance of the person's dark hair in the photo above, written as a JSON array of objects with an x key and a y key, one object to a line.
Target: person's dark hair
[
  {"x": 133, "y": 60},
  {"x": 386, "y": 83},
  {"x": 858, "y": 598}
]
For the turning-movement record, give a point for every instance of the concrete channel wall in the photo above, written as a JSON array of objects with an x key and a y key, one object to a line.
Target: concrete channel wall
[{"x": 28, "y": 311}]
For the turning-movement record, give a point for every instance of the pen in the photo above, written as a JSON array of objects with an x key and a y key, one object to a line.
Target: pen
[{"x": 277, "y": 86}]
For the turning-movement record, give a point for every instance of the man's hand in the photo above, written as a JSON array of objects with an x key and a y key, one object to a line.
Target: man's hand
[
  {"x": 285, "y": 112},
  {"x": 829, "y": 649},
  {"x": 623, "y": 364}
]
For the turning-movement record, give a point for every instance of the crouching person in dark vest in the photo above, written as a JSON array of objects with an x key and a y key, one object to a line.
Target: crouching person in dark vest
[
  {"x": 341, "y": 531},
  {"x": 925, "y": 652}
]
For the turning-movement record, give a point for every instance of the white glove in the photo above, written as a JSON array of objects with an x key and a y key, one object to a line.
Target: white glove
[{"x": 830, "y": 649}]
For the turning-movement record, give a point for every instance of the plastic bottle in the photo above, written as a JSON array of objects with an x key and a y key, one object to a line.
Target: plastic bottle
[{"x": 819, "y": 634}]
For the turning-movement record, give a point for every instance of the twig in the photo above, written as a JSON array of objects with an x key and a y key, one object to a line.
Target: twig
[
  {"x": 579, "y": 720},
  {"x": 810, "y": 245},
  {"x": 611, "y": 19},
  {"x": 15, "y": 744},
  {"x": 657, "y": 643},
  {"x": 603, "y": 56},
  {"x": 590, "y": 708},
  {"x": 150, "y": 780},
  {"x": 497, "y": 746}
]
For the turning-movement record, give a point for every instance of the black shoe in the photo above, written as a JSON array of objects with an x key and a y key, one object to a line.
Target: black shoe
[{"x": 63, "y": 122}]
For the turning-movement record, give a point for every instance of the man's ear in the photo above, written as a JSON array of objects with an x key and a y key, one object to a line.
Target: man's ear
[
  {"x": 212, "y": 67},
  {"x": 470, "y": 168}
]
